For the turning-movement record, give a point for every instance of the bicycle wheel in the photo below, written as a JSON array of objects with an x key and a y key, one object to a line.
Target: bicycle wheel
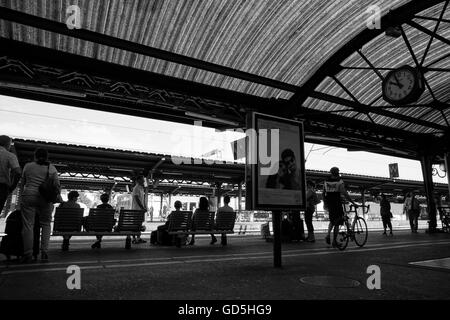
[
  {"x": 360, "y": 232},
  {"x": 342, "y": 236}
]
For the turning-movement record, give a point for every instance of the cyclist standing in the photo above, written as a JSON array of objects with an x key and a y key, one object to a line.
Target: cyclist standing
[{"x": 333, "y": 189}]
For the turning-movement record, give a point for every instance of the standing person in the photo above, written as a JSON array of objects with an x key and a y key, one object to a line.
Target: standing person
[
  {"x": 311, "y": 201},
  {"x": 32, "y": 203},
  {"x": 333, "y": 189},
  {"x": 407, "y": 205},
  {"x": 104, "y": 198},
  {"x": 203, "y": 207},
  {"x": 386, "y": 215},
  {"x": 413, "y": 213},
  {"x": 9, "y": 170},
  {"x": 225, "y": 209},
  {"x": 138, "y": 202}
]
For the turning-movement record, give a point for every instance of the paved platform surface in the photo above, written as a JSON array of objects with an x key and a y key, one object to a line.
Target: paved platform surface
[{"x": 242, "y": 270}]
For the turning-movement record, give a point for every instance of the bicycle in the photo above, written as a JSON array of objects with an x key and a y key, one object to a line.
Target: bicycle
[{"x": 355, "y": 231}]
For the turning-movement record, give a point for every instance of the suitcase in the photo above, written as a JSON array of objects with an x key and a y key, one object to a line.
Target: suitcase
[
  {"x": 153, "y": 237},
  {"x": 164, "y": 239},
  {"x": 298, "y": 230},
  {"x": 12, "y": 243}
]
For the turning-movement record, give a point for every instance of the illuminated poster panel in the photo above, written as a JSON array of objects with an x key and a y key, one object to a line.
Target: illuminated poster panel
[{"x": 278, "y": 165}]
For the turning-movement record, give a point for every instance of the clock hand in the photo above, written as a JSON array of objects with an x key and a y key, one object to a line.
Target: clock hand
[
  {"x": 398, "y": 82},
  {"x": 395, "y": 84}
]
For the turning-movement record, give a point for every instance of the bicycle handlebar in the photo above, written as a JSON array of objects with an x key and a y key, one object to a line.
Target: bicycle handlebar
[{"x": 364, "y": 207}]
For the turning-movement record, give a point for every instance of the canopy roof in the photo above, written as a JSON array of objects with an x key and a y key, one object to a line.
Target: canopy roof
[{"x": 311, "y": 60}]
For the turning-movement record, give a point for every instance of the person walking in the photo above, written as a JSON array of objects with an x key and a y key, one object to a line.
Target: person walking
[
  {"x": 311, "y": 201},
  {"x": 33, "y": 203},
  {"x": 9, "y": 170},
  {"x": 386, "y": 214}
]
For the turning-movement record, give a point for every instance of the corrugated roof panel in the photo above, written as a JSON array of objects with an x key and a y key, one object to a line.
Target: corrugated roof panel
[{"x": 284, "y": 40}]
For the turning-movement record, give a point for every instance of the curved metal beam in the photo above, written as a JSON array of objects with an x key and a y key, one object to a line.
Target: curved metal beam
[{"x": 332, "y": 66}]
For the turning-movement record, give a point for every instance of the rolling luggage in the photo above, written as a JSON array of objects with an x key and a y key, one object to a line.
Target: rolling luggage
[
  {"x": 12, "y": 243},
  {"x": 298, "y": 230}
]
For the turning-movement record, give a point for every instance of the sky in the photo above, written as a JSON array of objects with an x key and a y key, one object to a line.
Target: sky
[{"x": 35, "y": 120}]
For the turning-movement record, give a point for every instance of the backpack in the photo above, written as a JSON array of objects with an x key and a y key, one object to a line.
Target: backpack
[{"x": 315, "y": 199}]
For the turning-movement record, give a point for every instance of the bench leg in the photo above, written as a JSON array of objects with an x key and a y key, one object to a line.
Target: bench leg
[
  {"x": 223, "y": 239},
  {"x": 65, "y": 244},
  {"x": 128, "y": 243}
]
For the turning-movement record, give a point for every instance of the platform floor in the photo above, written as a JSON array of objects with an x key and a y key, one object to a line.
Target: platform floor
[{"x": 410, "y": 268}]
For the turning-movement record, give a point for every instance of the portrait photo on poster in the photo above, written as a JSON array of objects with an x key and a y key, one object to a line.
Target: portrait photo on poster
[{"x": 279, "y": 173}]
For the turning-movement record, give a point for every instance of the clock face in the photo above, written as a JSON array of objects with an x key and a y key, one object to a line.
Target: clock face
[{"x": 402, "y": 86}]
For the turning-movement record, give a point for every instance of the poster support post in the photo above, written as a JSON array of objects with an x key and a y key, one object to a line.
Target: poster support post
[{"x": 276, "y": 218}]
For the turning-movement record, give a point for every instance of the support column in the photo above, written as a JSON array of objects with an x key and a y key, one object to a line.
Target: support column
[
  {"x": 426, "y": 163},
  {"x": 161, "y": 206},
  {"x": 363, "y": 201},
  {"x": 239, "y": 197},
  {"x": 218, "y": 194},
  {"x": 447, "y": 169},
  {"x": 146, "y": 198}
]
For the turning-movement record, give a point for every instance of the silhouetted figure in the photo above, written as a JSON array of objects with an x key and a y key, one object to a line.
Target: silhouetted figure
[
  {"x": 32, "y": 202},
  {"x": 9, "y": 170},
  {"x": 386, "y": 214},
  {"x": 333, "y": 189},
  {"x": 311, "y": 201},
  {"x": 104, "y": 205}
]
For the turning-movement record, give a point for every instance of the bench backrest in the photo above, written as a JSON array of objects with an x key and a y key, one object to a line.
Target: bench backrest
[
  {"x": 130, "y": 220},
  {"x": 203, "y": 220},
  {"x": 68, "y": 219},
  {"x": 100, "y": 220},
  {"x": 225, "y": 221},
  {"x": 180, "y": 221}
]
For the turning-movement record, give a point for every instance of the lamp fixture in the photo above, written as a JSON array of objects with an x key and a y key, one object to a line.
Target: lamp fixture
[{"x": 209, "y": 118}]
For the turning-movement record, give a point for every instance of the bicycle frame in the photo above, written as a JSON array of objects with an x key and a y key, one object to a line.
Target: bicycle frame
[
  {"x": 355, "y": 210},
  {"x": 350, "y": 233}
]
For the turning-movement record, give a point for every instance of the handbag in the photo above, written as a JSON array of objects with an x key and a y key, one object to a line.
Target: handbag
[{"x": 48, "y": 190}]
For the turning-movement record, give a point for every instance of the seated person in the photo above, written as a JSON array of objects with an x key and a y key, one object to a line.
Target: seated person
[
  {"x": 203, "y": 207},
  {"x": 162, "y": 235},
  {"x": 71, "y": 203},
  {"x": 105, "y": 205},
  {"x": 225, "y": 209}
]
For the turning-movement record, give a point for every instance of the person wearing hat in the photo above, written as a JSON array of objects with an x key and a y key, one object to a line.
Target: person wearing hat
[{"x": 333, "y": 190}]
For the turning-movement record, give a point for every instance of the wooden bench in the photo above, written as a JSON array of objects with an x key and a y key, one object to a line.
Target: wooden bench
[
  {"x": 100, "y": 222},
  {"x": 185, "y": 223}
]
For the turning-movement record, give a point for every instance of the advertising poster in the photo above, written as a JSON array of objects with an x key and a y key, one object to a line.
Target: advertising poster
[{"x": 278, "y": 175}]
